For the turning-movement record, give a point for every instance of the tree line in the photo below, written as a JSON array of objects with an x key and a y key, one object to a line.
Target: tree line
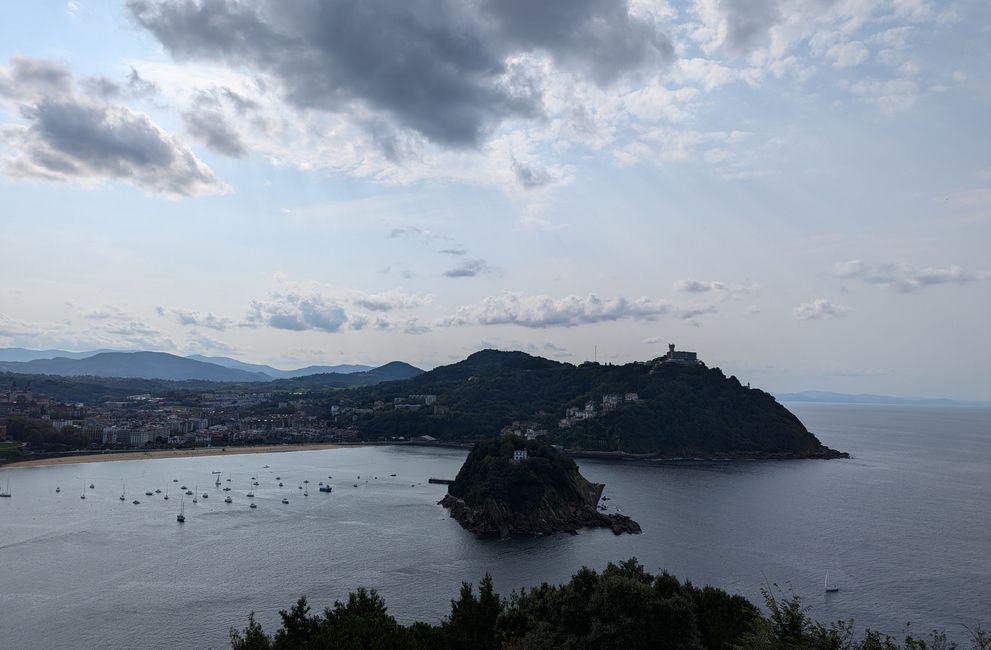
[{"x": 623, "y": 607}]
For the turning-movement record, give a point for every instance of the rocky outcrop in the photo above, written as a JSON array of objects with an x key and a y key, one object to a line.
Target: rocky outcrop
[{"x": 545, "y": 497}]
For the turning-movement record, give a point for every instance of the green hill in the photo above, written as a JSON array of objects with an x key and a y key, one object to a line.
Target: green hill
[{"x": 679, "y": 410}]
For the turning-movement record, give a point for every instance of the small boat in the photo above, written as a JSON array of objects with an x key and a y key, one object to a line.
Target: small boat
[
  {"x": 250, "y": 495},
  {"x": 300, "y": 487},
  {"x": 285, "y": 500},
  {"x": 228, "y": 500},
  {"x": 278, "y": 478},
  {"x": 326, "y": 488},
  {"x": 392, "y": 475},
  {"x": 255, "y": 483},
  {"x": 91, "y": 486},
  {"x": 252, "y": 506},
  {"x": 356, "y": 485},
  {"x": 206, "y": 496},
  {"x": 6, "y": 493},
  {"x": 166, "y": 497},
  {"x": 83, "y": 495},
  {"x": 306, "y": 481},
  {"x": 181, "y": 517},
  {"x": 122, "y": 490},
  {"x": 183, "y": 487},
  {"x": 136, "y": 502},
  {"x": 830, "y": 589},
  {"x": 280, "y": 484},
  {"x": 189, "y": 493},
  {"x": 57, "y": 489},
  {"x": 175, "y": 480},
  {"x": 266, "y": 467},
  {"x": 227, "y": 489},
  {"x": 158, "y": 491},
  {"x": 148, "y": 494}
]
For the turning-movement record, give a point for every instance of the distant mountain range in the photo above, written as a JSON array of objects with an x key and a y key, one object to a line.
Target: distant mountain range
[
  {"x": 827, "y": 397},
  {"x": 161, "y": 365},
  {"x": 227, "y": 362}
]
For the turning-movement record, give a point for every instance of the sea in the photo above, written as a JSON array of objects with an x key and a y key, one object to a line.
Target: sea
[{"x": 903, "y": 528}]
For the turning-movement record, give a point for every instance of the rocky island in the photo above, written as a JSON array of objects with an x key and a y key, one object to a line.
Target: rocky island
[{"x": 510, "y": 486}]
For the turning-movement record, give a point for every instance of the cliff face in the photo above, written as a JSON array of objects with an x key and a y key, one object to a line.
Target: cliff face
[{"x": 495, "y": 496}]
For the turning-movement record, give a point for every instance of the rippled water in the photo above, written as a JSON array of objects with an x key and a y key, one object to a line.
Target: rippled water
[{"x": 904, "y": 529}]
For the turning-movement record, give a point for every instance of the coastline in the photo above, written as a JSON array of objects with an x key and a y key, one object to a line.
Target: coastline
[{"x": 154, "y": 454}]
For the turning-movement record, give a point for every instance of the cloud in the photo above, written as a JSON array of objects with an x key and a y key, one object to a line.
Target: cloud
[
  {"x": 652, "y": 340},
  {"x": 698, "y": 286},
  {"x": 468, "y": 269},
  {"x": 539, "y": 311},
  {"x": 68, "y": 138},
  {"x": 298, "y": 312},
  {"x": 454, "y": 251},
  {"x": 905, "y": 278},
  {"x": 819, "y": 309},
  {"x": 411, "y": 232},
  {"x": 387, "y": 301},
  {"x": 529, "y": 176},
  {"x": 450, "y": 72},
  {"x": 300, "y": 307},
  {"x": 26, "y": 79},
  {"x": 748, "y": 23},
  {"x": 192, "y": 318},
  {"x": 206, "y": 122}
]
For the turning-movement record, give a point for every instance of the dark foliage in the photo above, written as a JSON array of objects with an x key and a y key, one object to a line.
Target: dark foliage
[{"x": 624, "y": 607}]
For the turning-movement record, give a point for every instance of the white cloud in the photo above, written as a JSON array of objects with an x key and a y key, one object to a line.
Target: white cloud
[
  {"x": 906, "y": 278},
  {"x": 819, "y": 309},
  {"x": 539, "y": 311}
]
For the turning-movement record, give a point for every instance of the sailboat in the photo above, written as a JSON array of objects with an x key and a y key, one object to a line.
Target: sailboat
[
  {"x": 166, "y": 497},
  {"x": 6, "y": 493},
  {"x": 83, "y": 495},
  {"x": 122, "y": 490},
  {"x": 829, "y": 588},
  {"x": 181, "y": 517}
]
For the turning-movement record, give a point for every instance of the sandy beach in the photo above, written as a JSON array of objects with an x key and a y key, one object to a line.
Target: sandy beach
[{"x": 172, "y": 453}]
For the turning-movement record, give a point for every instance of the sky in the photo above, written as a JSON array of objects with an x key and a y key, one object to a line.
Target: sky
[{"x": 798, "y": 190}]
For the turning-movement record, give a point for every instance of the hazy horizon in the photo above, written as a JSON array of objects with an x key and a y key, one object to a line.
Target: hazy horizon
[{"x": 798, "y": 191}]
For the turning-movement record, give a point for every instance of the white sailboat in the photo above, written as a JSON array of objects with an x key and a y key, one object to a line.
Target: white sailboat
[
  {"x": 122, "y": 491},
  {"x": 6, "y": 493},
  {"x": 181, "y": 517},
  {"x": 830, "y": 588}
]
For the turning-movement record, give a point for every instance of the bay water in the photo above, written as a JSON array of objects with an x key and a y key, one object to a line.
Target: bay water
[{"x": 903, "y": 527}]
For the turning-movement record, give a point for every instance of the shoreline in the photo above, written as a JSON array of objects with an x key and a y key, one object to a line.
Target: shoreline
[
  {"x": 156, "y": 454},
  {"x": 614, "y": 456}
]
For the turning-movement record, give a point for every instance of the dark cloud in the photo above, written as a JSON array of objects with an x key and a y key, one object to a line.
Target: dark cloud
[
  {"x": 73, "y": 140},
  {"x": 27, "y": 79},
  {"x": 206, "y": 122},
  {"x": 434, "y": 67},
  {"x": 748, "y": 23},
  {"x": 84, "y": 139},
  {"x": 599, "y": 39},
  {"x": 468, "y": 269}
]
